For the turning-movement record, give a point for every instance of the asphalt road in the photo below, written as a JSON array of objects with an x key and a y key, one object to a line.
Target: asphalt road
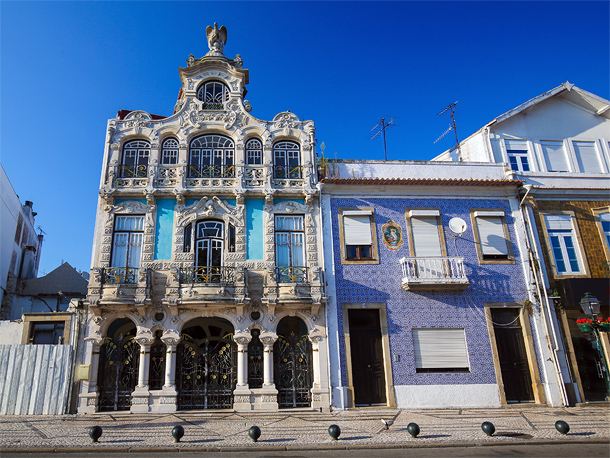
[{"x": 521, "y": 450}]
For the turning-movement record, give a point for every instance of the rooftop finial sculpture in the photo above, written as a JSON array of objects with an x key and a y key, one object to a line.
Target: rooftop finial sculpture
[{"x": 217, "y": 38}]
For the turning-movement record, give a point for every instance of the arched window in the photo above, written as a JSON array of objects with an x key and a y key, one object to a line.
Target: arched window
[
  {"x": 254, "y": 152},
  {"x": 286, "y": 160},
  {"x": 169, "y": 152},
  {"x": 213, "y": 94},
  {"x": 212, "y": 156},
  {"x": 135, "y": 159}
]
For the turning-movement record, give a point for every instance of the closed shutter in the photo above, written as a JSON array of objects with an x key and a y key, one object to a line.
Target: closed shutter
[
  {"x": 426, "y": 239},
  {"x": 491, "y": 235},
  {"x": 357, "y": 230},
  {"x": 554, "y": 156},
  {"x": 440, "y": 349},
  {"x": 587, "y": 157},
  {"x": 558, "y": 222}
]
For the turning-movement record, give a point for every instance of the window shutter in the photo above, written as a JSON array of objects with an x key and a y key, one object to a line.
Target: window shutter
[
  {"x": 491, "y": 235},
  {"x": 558, "y": 222},
  {"x": 554, "y": 156},
  {"x": 426, "y": 239},
  {"x": 516, "y": 145},
  {"x": 440, "y": 348},
  {"x": 357, "y": 230},
  {"x": 587, "y": 157}
]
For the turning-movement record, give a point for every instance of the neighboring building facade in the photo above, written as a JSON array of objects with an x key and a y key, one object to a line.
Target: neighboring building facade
[
  {"x": 206, "y": 288},
  {"x": 430, "y": 303},
  {"x": 559, "y": 144},
  {"x": 20, "y": 253}
]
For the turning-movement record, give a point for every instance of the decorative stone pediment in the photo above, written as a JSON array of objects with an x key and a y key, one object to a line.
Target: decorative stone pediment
[
  {"x": 286, "y": 120},
  {"x": 209, "y": 207},
  {"x": 287, "y": 207}
]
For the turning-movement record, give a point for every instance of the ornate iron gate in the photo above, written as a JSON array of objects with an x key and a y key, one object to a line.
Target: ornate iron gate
[
  {"x": 206, "y": 373},
  {"x": 118, "y": 374},
  {"x": 292, "y": 355}
]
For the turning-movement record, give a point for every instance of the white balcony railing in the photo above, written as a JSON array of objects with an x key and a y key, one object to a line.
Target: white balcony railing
[{"x": 433, "y": 273}]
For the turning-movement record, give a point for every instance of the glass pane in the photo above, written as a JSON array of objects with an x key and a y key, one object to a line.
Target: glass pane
[
  {"x": 135, "y": 249},
  {"x": 559, "y": 263},
  {"x": 119, "y": 250},
  {"x": 297, "y": 249},
  {"x": 571, "y": 254},
  {"x": 282, "y": 249}
]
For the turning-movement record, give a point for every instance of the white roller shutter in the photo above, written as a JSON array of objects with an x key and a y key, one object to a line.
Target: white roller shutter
[
  {"x": 587, "y": 157},
  {"x": 554, "y": 156},
  {"x": 491, "y": 235},
  {"x": 558, "y": 222},
  {"x": 357, "y": 230},
  {"x": 426, "y": 239},
  {"x": 440, "y": 349}
]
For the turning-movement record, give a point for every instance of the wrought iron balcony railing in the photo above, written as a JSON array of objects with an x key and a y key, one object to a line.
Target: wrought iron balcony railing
[
  {"x": 213, "y": 106},
  {"x": 207, "y": 274},
  {"x": 291, "y": 274},
  {"x": 120, "y": 275},
  {"x": 433, "y": 272},
  {"x": 133, "y": 171},
  {"x": 287, "y": 171},
  {"x": 211, "y": 171}
]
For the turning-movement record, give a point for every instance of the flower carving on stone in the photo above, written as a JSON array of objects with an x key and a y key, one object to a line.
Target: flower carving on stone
[{"x": 286, "y": 120}]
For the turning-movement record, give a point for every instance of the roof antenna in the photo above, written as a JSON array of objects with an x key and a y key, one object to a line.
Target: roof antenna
[
  {"x": 380, "y": 129},
  {"x": 450, "y": 107}
]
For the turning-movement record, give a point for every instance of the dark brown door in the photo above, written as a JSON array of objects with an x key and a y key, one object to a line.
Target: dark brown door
[
  {"x": 511, "y": 352},
  {"x": 367, "y": 357}
]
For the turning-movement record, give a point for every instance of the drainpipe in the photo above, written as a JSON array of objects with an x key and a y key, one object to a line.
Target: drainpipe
[{"x": 536, "y": 271}]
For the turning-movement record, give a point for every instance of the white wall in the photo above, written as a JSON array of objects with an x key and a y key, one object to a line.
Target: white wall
[{"x": 10, "y": 332}]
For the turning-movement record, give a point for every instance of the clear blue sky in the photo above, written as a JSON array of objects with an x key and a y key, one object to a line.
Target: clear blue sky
[{"x": 67, "y": 67}]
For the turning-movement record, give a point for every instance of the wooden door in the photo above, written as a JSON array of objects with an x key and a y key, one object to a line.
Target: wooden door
[
  {"x": 367, "y": 357},
  {"x": 513, "y": 358}
]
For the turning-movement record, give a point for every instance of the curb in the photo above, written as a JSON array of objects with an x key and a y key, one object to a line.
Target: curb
[{"x": 284, "y": 448}]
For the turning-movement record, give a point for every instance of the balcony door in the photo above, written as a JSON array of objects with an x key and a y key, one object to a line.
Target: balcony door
[
  {"x": 427, "y": 245},
  {"x": 209, "y": 245}
]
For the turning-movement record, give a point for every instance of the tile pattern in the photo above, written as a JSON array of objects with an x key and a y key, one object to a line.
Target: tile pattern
[{"x": 429, "y": 309}]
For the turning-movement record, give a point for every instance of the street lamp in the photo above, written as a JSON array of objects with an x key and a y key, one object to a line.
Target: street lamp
[{"x": 590, "y": 307}]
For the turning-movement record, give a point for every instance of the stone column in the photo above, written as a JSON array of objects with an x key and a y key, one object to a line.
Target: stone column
[
  {"x": 171, "y": 341},
  {"x": 143, "y": 368},
  {"x": 242, "y": 359},
  {"x": 140, "y": 396},
  {"x": 315, "y": 359},
  {"x": 268, "y": 341},
  {"x": 87, "y": 399},
  {"x": 320, "y": 397}
]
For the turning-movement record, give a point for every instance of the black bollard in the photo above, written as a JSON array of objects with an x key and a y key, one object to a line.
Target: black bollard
[
  {"x": 413, "y": 429},
  {"x": 95, "y": 432},
  {"x": 177, "y": 433},
  {"x": 254, "y": 432},
  {"x": 334, "y": 431},
  {"x": 488, "y": 428},
  {"x": 562, "y": 427}
]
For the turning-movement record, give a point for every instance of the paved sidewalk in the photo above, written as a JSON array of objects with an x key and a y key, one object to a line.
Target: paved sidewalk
[{"x": 292, "y": 430}]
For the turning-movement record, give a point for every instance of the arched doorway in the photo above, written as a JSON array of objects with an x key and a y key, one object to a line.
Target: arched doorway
[
  {"x": 206, "y": 366},
  {"x": 292, "y": 360},
  {"x": 118, "y": 371}
]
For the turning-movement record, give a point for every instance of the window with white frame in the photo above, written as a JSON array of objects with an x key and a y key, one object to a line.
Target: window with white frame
[
  {"x": 126, "y": 248},
  {"x": 492, "y": 235},
  {"x": 602, "y": 218},
  {"x": 516, "y": 151},
  {"x": 440, "y": 350},
  {"x": 587, "y": 157},
  {"x": 169, "y": 152},
  {"x": 357, "y": 235},
  {"x": 254, "y": 152},
  {"x": 286, "y": 160},
  {"x": 290, "y": 248},
  {"x": 135, "y": 159},
  {"x": 564, "y": 244},
  {"x": 605, "y": 222},
  {"x": 212, "y": 156},
  {"x": 554, "y": 156}
]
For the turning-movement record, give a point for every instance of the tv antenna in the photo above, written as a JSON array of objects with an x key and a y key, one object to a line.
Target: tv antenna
[
  {"x": 380, "y": 129},
  {"x": 41, "y": 231},
  {"x": 451, "y": 127}
]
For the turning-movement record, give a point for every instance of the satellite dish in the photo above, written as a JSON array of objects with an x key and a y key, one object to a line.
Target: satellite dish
[{"x": 457, "y": 225}]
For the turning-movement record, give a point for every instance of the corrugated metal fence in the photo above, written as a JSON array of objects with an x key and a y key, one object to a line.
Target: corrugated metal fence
[{"x": 35, "y": 379}]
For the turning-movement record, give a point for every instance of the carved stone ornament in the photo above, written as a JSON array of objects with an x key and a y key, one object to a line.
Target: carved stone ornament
[
  {"x": 139, "y": 400},
  {"x": 135, "y": 120},
  {"x": 217, "y": 38},
  {"x": 286, "y": 120},
  {"x": 167, "y": 400},
  {"x": 209, "y": 207},
  {"x": 230, "y": 116},
  {"x": 242, "y": 399}
]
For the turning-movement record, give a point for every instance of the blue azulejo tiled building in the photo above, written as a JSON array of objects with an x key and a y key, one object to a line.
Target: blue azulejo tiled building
[{"x": 430, "y": 292}]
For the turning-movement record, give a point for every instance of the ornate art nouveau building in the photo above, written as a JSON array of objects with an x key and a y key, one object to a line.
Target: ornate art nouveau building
[{"x": 206, "y": 289}]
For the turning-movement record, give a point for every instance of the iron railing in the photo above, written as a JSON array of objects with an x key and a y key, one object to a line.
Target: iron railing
[
  {"x": 213, "y": 106},
  {"x": 287, "y": 171},
  {"x": 211, "y": 171},
  {"x": 133, "y": 171},
  {"x": 291, "y": 274},
  {"x": 433, "y": 270},
  {"x": 207, "y": 274},
  {"x": 120, "y": 275}
]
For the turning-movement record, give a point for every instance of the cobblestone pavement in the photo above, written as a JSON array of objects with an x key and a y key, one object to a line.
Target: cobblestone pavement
[{"x": 287, "y": 430}]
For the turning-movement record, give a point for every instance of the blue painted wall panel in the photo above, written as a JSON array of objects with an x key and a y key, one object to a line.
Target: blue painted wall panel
[
  {"x": 254, "y": 228},
  {"x": 164, "y": 233}
]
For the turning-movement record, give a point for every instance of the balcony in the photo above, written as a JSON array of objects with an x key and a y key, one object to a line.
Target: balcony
[
  {"x": 119, "y": 286},
  {"x": 207, "y": 275},
  {"x": 294, "y": 288},
  {"x": 120, "y": 275},
  {"x": 434, "y": 273},
  {"x": 134, "y": 175},
  {"x": 291, "y": 274}
]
